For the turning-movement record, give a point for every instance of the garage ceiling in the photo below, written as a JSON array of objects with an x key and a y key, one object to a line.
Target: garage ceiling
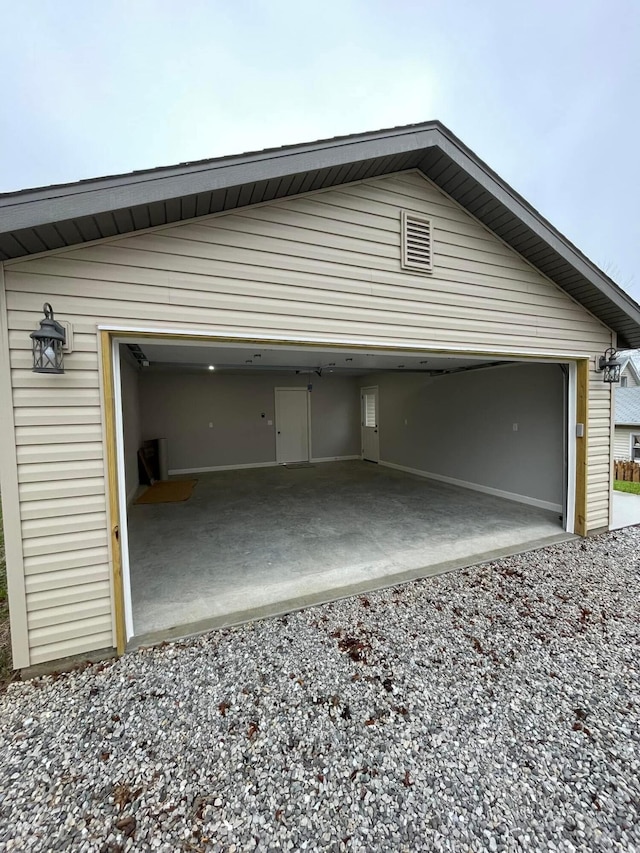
[{"x": 196, "y": 356}]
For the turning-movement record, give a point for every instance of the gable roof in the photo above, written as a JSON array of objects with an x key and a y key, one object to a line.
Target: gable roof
[
  {"x": 46, "y": 218},
  {"x": 627, "y": 406},
  {"x": 630, "y": 359}
]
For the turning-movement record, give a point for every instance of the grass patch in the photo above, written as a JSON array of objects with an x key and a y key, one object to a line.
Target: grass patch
[
  {"x": 623, "y": 486},
  {"x": 6, "y": 669}
]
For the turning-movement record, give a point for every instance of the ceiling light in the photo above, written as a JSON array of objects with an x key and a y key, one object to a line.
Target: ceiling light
[{"x": 211, "y": 367}]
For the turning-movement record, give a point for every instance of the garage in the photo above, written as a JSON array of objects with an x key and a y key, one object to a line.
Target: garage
[
  {"x": 315, "y": 473},
  {"x": 347, "y": 364}
]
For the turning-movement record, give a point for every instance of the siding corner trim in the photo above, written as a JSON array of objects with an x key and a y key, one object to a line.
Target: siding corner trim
[{"x": 11, "y": 519}]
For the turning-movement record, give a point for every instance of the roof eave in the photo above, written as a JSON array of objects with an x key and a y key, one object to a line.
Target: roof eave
[
  {"x": 30, "y": 215},
  {"x": 48, "y": 205}
]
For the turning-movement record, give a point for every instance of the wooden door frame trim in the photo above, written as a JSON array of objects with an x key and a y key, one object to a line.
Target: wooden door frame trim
[
  {"x": 113, "y": 503},
  {"x": 582, "y": 446}
]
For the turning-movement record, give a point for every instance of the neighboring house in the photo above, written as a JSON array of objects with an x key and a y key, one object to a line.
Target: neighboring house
[
  {"x": 627, "y": 424},
  {"x": 630, "y": 369},
  {"x": 383, "y": 296}
]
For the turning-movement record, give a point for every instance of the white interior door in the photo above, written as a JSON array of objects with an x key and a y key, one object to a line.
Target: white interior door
[
  {"x": 370, "y": 436},
  {"x": 292, "y": 425}
]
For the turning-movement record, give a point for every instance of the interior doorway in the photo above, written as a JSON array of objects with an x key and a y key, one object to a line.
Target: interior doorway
[
  {"x": 370, "y": 435},
  {"x": 292, "y": 425}
]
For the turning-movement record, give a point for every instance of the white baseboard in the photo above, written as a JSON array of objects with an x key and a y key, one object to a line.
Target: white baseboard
[
  {"x": 333, "y": 458},
  {"x": 133, "y": 494},
  {"x": 476, "y": 487},
  {"x": 174, "y": 471}
]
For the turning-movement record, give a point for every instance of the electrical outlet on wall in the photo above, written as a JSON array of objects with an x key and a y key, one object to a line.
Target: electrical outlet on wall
[{"x": 515, "y": 427}]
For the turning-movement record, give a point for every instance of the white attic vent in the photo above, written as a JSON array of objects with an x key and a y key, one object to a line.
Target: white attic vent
[{"x": 417, "y": 243}]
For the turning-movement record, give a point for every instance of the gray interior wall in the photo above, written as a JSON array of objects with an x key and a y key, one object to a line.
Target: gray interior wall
[
  {"x": 129, "y": 378},
  {"x": 461, "y": 426},
  {"x": 335, "y": 417},
  {"x": 179, "y": 406}
]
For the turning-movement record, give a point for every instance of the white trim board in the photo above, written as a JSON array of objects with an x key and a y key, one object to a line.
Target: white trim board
[
  {"x": 222, "y": 335},
  {"x": 498, "y": 493},
  {"x": 240, "y": 466},
  {"x": 319, "y": 459},
  {"x": 133, "y": 494},
  {"x": 207, "y": 469}
]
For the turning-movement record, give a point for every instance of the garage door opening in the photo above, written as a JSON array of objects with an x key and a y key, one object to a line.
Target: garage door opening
[{"x": 322, "y": 473}]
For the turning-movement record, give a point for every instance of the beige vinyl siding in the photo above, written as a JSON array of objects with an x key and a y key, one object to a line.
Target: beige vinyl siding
[
  {"x": 622, "y": 441},
  {"x": 321, "y": 266},
  {"x": 599, "y": 437}
]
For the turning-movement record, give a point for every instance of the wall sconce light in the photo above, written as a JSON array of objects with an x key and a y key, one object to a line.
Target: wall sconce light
[
  {"x": 609, "y": 364},
  {"x": 48, "y": 342}
]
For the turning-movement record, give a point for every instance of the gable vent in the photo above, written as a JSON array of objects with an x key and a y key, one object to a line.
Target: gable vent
[{"x": 417, "y": 243}]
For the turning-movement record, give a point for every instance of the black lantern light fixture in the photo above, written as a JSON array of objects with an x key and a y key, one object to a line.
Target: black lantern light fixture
[
  {"x": 48, "y": 342},
  {"x": 609, "y": 364}
]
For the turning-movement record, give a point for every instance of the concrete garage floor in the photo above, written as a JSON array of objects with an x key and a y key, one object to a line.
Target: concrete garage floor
[{"x": 257, "y": 542}]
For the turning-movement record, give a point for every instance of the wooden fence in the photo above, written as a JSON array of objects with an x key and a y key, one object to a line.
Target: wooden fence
[{"x": 627, "y": 471}]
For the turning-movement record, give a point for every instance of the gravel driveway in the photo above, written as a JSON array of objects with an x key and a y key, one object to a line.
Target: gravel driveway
[{"x": 496, "y": 708}]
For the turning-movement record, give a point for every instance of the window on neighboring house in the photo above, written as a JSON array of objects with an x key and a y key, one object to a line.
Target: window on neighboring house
[
  {"x": 635, "y": 446},
  {"x": 623, "y": 381}
]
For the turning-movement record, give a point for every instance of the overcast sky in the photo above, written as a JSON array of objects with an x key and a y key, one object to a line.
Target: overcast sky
[{"x": 546, "y": 92}]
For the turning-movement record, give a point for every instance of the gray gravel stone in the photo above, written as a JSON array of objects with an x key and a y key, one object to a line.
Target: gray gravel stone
[{"x": 495, "y": 708}]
